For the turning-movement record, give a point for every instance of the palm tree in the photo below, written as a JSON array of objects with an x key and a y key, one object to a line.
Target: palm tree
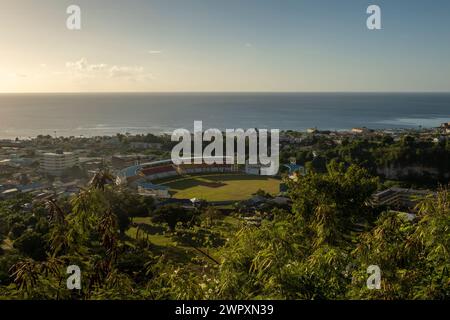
[{"x": 101, "y": 179}]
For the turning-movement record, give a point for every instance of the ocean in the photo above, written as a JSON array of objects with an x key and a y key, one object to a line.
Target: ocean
[{"x": 29, "y": 115}]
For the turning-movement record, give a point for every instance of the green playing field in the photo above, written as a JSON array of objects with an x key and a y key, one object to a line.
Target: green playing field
[{"x": 221, "y": 187}]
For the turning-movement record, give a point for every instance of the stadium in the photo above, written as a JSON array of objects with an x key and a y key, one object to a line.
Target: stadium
[{"x": 211, "y": 182}]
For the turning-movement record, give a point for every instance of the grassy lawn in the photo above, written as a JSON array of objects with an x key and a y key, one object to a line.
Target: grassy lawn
[
  {"x": 156, "y": 234},
  {"x": 221, "y": 187},
  {"x": 163, "y": 241},
  {"x": 157, "y": 239}
]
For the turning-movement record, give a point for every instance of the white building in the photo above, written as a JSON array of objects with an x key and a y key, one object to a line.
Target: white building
[
  {"x": 360, "y": 130},
  {"x": 153, "y": 190},
  {"x": 55, "y": 163}
]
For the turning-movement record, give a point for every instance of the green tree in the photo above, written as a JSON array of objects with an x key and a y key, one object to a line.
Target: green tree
[
  {"x": 32, "y": 244},
  {"x": 172, "y": 215}
]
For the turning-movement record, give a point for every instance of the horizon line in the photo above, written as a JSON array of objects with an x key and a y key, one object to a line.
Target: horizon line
[{"x": 222, "y": 92}]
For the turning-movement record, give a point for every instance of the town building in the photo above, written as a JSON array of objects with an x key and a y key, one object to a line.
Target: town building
[
  {"x": 445, "y": 127},
  {"x": 153, "y": 190},
  {"x": 55, "y": 163},
  {"x": 400, "y": 198},
  {"x": 295, "y": 170},
  {"x": 360, "y": 130},
  {"x": 10, "y": 193},
  {"x": 122, "y": 161}
]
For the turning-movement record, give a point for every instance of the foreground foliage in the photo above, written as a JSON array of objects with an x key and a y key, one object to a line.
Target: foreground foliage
[{"x": 320, "y": 249}]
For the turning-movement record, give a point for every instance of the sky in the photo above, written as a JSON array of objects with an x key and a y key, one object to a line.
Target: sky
[{"x": 226, "y": 45}]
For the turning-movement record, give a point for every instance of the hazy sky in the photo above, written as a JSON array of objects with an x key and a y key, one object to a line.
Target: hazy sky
[{"x": 226, "y": 45}]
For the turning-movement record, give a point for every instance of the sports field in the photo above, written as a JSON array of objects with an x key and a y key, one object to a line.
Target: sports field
[{"x": 221, "y": 187}]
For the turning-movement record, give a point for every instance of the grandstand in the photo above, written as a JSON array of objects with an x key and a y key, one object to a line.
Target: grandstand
[
  {"x": 206, "y": 168},
  {"x": 165, "y": 168},
  {"x": 159, "y": 172}
]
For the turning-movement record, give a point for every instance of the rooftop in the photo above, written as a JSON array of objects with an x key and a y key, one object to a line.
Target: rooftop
[{"x": 58, "y": 153}]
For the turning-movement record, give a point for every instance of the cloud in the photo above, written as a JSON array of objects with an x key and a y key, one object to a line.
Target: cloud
[
  {"x": 117, "y": 71},
  {"x": 97, "y": 67},
  {"x": 83, "y": 69},
  {"x": 83, "y": 66},
  {"x": 77, "y": 65},
  {"x": 154, "y": 51}
]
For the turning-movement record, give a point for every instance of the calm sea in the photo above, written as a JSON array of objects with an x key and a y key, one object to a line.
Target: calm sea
[{"x": 28, "y": 115}]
